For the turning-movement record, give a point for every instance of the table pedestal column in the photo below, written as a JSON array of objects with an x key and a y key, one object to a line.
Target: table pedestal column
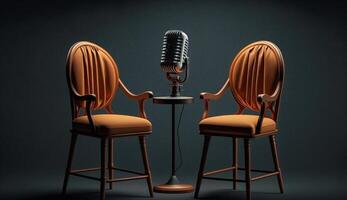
[{"x": 173, "y": 185}]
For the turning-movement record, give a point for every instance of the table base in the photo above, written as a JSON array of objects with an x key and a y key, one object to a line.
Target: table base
[{"x": 174, "y": 186}]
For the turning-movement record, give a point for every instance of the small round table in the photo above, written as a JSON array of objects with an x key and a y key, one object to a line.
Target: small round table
[{"x": 173, "y": 185}]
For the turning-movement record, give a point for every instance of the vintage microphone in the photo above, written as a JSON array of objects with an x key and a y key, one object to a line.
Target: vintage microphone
[{"x": 174, "y": 59}]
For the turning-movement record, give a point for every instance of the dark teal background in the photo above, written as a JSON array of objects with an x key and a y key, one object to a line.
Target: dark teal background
[{"x": 35, "y": 112}]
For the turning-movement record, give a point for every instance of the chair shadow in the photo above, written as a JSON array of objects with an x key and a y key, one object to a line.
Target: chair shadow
[
  {"x": 81, "y": 195},
  {"x": 231, "y": 194},
  {"x": 225, "y": 194}
]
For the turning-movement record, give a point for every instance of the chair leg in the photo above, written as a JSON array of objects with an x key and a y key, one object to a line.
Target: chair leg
[
  {"x": 276, "y": 162},
  {"x": 110, "y": 161},
  {"x": 235, "y": 164},
  {"x": 103, "y": 168},
  {"x": 142, "y": 140},
  {"x": 69, "y": 162},
  {"x": 247, "y": 147},
  {"x": 202, "y": 165}
]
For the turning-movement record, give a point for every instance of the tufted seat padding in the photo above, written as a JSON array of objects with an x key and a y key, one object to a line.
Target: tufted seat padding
[
  {"x": 113, "y": 124},
  {"x": 229, "y": 124}
]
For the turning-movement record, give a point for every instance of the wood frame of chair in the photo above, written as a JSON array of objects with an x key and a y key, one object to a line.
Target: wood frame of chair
[
  {"x": 267, "y": 97},
  {"x": 93, "y": 56}
]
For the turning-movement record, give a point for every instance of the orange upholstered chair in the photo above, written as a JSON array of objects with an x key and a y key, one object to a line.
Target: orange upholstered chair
[
  {"x": 93, "y": 80},
  {"x": 255, "y": 80}
]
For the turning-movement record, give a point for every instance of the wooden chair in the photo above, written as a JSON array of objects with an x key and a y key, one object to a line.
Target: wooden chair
[
  {"x": 93, "y": 80},
  {"x": 255, "y": 80}
]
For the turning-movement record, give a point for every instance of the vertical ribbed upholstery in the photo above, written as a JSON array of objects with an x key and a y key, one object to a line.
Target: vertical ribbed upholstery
[
  {"x": 91, "y": 70},
  {"x": 257, "y": 69}
]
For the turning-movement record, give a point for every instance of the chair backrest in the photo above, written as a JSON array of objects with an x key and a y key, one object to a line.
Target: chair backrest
[
  {"x": 257, "y": 69},
  {"x": 90, "y": 69}
]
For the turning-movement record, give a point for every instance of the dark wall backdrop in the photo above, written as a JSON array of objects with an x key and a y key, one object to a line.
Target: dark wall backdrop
[{"x": 35, "y": 113}]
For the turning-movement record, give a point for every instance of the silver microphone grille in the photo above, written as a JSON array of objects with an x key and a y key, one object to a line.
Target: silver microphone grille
[{"x": 174, "y": 51}]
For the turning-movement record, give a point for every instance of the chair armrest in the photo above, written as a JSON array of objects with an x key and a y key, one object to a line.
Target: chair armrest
[
  {"x": 138, "y": 97},
  {"x": 209, "y": 96},
  {"x": 264, "y": 100},
  {"x": 89, "y": 98},
  {"x": 143, "y": 96},
  {"x": 215, "y": 96}
]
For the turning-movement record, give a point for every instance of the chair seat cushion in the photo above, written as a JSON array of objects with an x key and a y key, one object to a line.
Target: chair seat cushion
[
  {"x": 235, "y": 124},
  {"x": 112, "y": 124}
]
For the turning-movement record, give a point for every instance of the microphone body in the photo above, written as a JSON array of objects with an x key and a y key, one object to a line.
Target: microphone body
[
  {"x": 174, "y": 59},
  {"x": 174, "y": 53}
]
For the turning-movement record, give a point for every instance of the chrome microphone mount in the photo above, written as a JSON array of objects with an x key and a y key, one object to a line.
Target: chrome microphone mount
[{"x": 176, "y": 80}]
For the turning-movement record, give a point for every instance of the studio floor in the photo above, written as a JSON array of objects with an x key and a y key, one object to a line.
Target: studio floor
[{"x": 34, "y": 187}]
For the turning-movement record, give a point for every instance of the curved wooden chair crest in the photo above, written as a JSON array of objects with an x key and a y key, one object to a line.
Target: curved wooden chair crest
[
  {"x": 93, "y": 81},
  {"x": 255, "y": 80}
]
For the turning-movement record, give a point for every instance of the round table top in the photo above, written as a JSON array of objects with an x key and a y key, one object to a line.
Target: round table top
[{"x": 172, "y": 100}]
